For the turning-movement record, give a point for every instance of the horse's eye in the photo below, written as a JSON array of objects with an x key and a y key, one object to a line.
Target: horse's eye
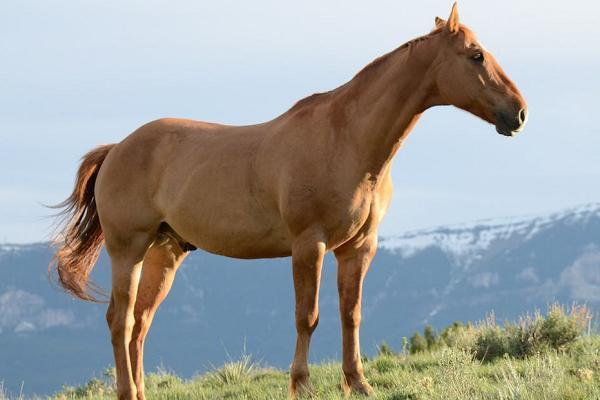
[{"x": 477, "y": 57}]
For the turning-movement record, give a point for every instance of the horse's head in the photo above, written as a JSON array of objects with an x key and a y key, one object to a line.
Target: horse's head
[{"x": 468, "y": 77}]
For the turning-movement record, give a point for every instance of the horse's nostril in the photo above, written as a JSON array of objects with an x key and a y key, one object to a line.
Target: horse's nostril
[{"x": 522, "y": 115}]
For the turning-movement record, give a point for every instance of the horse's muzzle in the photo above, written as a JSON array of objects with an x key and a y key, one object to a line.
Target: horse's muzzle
[{"x": 509, "y": 124}]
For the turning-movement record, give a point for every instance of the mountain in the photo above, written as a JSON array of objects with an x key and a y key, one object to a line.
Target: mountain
[{"x": 220, "y": 307}]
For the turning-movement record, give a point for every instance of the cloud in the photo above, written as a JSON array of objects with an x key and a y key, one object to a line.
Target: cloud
[
  {"x": 24, "y": 327},
  {"x": 528, "y": 275},
  {"x": 21, "y": 311},
  {"x": 484, "y": 280},
  {"x": 582, "y": 278},
  {"x": 55, "y": 317},
  {"x": 17, "y": 304}
]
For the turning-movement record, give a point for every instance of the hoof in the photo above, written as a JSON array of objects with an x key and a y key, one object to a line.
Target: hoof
[
  {"x": 299, "y": 386},
  {"x": 129, "y": 395},
  {"x": 357, "y": 386}
]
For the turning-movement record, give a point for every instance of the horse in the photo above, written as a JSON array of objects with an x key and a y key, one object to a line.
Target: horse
[{"x": 315, "y": 179}]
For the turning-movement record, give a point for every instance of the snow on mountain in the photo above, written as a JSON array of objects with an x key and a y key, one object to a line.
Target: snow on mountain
[
  {"x": 465, "y": 243},
  {"x": 461, "y": 241},
  {"x": 8, "y": 249}
]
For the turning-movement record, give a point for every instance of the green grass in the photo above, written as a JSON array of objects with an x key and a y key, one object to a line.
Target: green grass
[
  {"x": 539, "y": 357},
  {"x": 446, "y": 374}
]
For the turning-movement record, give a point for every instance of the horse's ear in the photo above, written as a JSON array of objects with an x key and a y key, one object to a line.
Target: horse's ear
[
  {"x": 439, "y": 23},
  {"x": 453, "y": 24}
]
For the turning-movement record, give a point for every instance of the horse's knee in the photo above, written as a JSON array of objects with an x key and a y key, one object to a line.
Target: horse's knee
[
  {"x": 109, "y": 318},
  {"x": 312, "y": 323},
  {"x": 350, "y": 317},
  {"x": 141, "y": 326},
  {"x": 110, "y": 314},
  {"x": 121, "y": 329},
  {"x": 307, "y": 321}
]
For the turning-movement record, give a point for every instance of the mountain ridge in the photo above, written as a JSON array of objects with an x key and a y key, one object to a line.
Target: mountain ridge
[{"x": 449, "y": 239}]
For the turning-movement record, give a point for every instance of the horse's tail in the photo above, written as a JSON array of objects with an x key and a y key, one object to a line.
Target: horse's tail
[{"x": 79, "y": 238}]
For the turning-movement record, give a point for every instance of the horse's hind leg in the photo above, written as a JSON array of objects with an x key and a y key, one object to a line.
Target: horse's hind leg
[
  {"x": 158, "y": 271},
  {"x": 126, "y": 259},
  {"x": 307, "y": 260}
]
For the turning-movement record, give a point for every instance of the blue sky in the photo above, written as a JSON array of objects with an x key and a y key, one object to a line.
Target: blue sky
[{"x": 77, "y": 74}]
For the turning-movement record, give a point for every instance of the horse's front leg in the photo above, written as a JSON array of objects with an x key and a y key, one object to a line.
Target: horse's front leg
[
  {"x": 353, "y": 263},
  {"x": 307, "y": 260}
]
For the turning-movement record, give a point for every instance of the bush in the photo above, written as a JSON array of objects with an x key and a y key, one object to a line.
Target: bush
[
  {"x": 384, "y": 349},
  {"x": 559, "y": 329},
  {"x": 532, "y": 334},
  {"x": 492, "y": 342},
  {"x": 430, "y": 336},
  {"x": 430, "y": 341},
  {"x": 459, "y": 336},
  {"x": 418, "y": 344}
]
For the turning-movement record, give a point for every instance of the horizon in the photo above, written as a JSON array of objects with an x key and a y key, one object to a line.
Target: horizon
[{"x": 468, "y": 224}]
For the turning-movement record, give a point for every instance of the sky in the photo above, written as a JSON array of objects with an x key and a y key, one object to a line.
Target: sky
[{"x": 77, "y": 74}]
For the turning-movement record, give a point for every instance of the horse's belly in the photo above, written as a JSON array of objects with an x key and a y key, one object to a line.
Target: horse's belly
[
  {"x": 239, "y": 244},
  {"x": 234, "y": 235}
]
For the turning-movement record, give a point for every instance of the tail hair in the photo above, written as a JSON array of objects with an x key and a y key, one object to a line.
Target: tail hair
[{"x": 79, "y": 235}]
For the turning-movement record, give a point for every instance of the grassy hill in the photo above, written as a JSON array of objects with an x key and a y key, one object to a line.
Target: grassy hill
[{"x": 538, "y": 357}]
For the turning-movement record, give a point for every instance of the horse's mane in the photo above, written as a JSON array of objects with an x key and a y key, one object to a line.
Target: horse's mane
[
  {"x": 408, "y": 46},
  {"x": 372, "y": 68}
]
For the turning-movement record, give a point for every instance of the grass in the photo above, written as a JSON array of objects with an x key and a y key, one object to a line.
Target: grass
[{"x": 564, "y": 364}]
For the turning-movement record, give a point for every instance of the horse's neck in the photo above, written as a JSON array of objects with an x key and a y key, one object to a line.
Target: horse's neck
[{"x": 384, "y": 104}]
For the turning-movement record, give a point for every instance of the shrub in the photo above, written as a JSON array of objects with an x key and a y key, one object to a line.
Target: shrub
[
  {"x": 418, "y": 343},
  {"x": 459, "y": 336},
  {"x": 384, "y": 349},
  {"x": 492, "y": 342},
  {"x": 533, "y": 334},
  {"x": 429, "y": 335},
  {"x": 559, "y": 329},
  {"x": 526, "y": 337}
]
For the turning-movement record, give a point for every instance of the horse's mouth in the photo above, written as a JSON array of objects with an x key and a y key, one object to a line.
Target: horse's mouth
[
  {"x": 507, "y": 127},
  {"x": 507, "y": 131}
]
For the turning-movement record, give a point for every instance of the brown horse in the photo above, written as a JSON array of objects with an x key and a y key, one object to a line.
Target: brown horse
[{"x": 315, "y": 179}]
